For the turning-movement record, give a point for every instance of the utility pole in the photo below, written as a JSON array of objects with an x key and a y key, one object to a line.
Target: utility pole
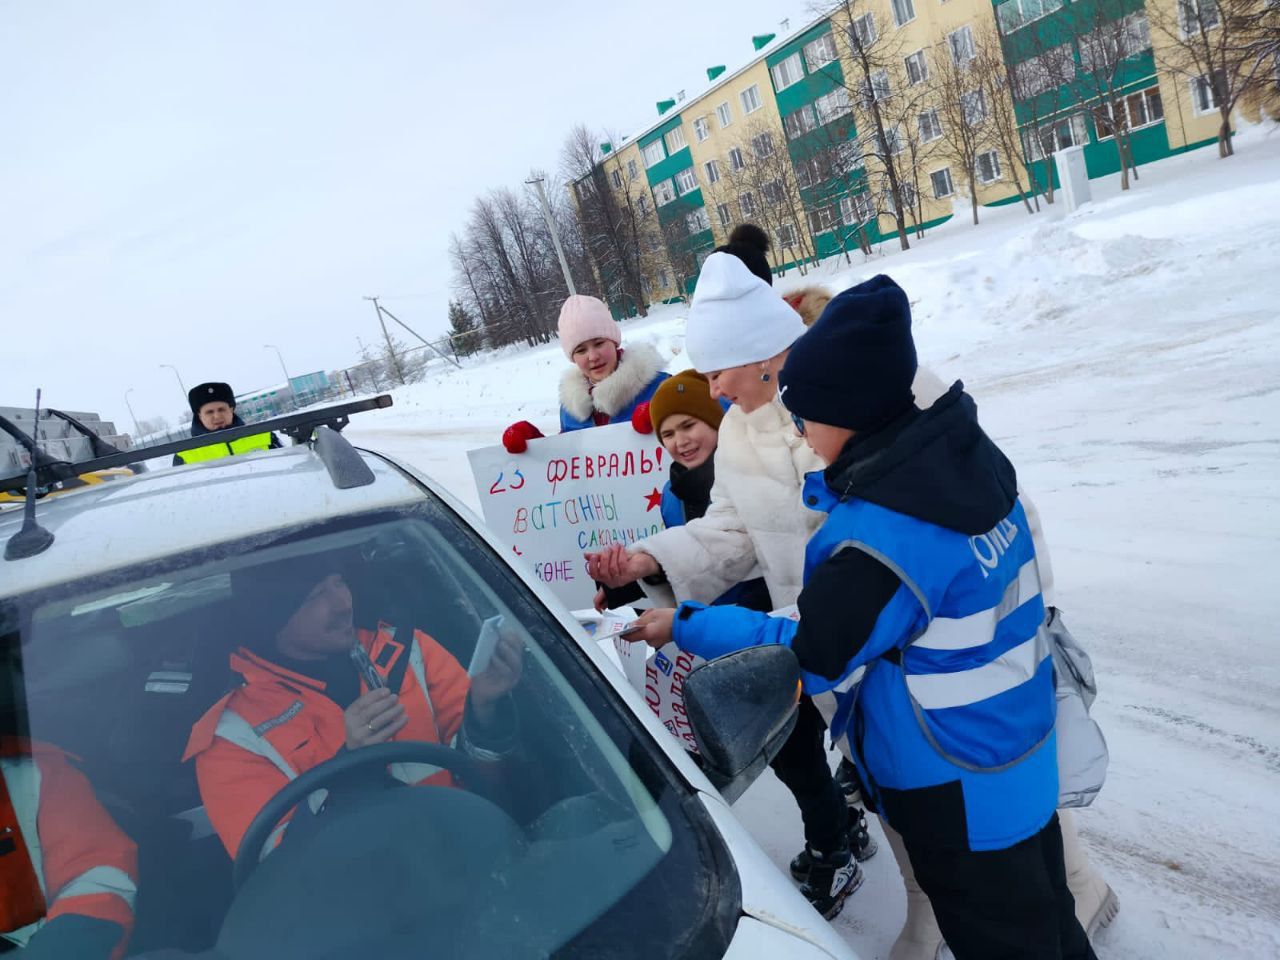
[
  {"x": 426, "y": 342},
  {"x": 272, "y": 346},
  {"x": 536, "y": 183},
  {"x": 391, "y": 350}
]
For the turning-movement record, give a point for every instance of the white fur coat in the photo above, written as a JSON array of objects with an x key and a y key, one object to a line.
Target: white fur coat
[{"x": 639, "y": 364}]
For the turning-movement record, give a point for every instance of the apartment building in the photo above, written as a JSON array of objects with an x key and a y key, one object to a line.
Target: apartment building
[{"x": 931, "y": 105}]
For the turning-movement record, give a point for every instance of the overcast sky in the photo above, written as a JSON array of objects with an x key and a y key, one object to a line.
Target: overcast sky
[{"x": 184, "y": 182}]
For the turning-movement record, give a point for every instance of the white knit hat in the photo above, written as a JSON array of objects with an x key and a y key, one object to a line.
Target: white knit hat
[
  {"x": 736, "y": 318},
  {"x": 585, "y": 318}
]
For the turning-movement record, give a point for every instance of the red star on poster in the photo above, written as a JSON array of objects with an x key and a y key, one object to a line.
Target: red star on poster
[{"x": 654, "y": 500}]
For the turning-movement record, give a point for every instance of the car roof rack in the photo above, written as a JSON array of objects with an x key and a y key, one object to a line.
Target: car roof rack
[{"x": 335, "y": 452}]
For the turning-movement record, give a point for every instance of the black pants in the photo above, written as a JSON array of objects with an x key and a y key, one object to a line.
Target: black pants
[
  {"x": 1004, "y": 904},
  {"x": 801, "y": 764}
]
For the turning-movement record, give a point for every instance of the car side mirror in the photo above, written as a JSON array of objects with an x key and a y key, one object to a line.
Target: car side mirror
[{"x": 742, "y": 708}]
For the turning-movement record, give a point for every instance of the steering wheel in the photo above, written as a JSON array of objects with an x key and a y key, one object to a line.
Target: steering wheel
[{"x": 294, "y": 792}]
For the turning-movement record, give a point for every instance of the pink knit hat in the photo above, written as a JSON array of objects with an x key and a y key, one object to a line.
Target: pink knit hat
[{"x": 586, "y": 318}]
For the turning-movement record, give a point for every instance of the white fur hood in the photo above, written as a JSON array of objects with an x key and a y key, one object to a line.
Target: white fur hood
[{"x": 639, "y": 364}]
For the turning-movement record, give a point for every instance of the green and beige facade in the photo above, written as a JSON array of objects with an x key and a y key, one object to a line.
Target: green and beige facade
[{"x": 787, "y": 141}]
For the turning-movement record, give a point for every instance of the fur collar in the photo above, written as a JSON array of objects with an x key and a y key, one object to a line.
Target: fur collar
[{"x": 640, "y": 363}]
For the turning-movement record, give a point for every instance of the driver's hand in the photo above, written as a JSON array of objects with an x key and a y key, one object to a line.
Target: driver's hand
[
  {"x": 375, "y": 717},
  {"x": 499, "y": 677}
]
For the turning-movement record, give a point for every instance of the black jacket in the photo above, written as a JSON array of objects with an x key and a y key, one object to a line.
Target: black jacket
[{"x": 935, "y": 465}]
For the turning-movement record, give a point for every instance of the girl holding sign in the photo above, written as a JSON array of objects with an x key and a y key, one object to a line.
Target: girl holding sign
[{"x": 606, "y": 384}]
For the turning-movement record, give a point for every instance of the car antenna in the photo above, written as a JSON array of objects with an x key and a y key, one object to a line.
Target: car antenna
[{"x": 32, "y": 539}]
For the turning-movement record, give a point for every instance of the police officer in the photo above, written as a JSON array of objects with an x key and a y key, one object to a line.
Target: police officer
[{"x": 213, "y": 408}]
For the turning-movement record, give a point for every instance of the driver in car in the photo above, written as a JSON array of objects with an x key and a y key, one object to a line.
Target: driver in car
[{"x": 314, "y": 685}]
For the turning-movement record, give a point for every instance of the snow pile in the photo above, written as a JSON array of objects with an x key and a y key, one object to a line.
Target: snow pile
[{"x": 1127, "y": 358}]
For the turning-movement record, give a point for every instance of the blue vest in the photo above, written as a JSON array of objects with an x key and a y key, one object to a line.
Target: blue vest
[
  {"x": 970, "y": 697},
  {"x": 569, "y": 422}
]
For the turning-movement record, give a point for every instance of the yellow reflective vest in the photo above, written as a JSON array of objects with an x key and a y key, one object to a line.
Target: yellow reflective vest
[{"x": 259, "y": 441}]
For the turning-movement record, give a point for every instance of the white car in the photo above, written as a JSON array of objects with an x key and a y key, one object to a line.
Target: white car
[{"x": 604, "y": 839}]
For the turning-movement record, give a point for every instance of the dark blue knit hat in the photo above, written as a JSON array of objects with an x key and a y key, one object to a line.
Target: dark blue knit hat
[{"x": 855, "y": 365}]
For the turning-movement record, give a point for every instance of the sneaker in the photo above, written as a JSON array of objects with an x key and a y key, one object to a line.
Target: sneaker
[
  {"x": 832, "y": 877},
  {"x": 861, "y": 844}
]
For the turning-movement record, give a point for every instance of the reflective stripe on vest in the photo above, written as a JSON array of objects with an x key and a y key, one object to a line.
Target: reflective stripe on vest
[
  {"x": 22, "y": 779},
  {"x": 214, "y": 451}
]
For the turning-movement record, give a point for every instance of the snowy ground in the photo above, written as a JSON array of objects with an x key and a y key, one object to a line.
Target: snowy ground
[{"x": 1127, "y": 357}]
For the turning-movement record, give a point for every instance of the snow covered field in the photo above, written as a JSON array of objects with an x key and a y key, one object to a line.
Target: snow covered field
[{"x": 1127, "y": 358}]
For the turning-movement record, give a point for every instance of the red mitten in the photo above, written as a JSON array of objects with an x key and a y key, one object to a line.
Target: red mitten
[
  {"x": 640, "y": 419},
  {"x": 517, "y": 436}
]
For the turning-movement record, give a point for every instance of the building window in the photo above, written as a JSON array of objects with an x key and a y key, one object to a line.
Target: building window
[
  {"x": 1197, "y": 15},
  {"x": 856, "y": 209},
  {"x": 652, "y": 242},
  {"x": 1053, "y": 68},
  {"x": 799, "y": 123},
  {"x": 877, "y": 88},
  {"x": 786, "y": 235},
  {"x": 632, "y": 170},
  {"x": 642, "y": 204},
  {"x": 845, "y": 158},
  {"x": 772, "y": 192},
  {"x": 1013, "y": 14},
  {"x": 988, "y": 167},
  {"x": 750, "y": 98},
  {"x": 697, "y": 221},
  {"x": 616, "y": 177},
  {"x": 787, "y": 72},
  {"x": 724, "y": 115},
  {"x": 974, "y": 107},
  {"x": 646, "y": 287},
  {"x": 1203, "y": 95},
  {"x": 686, "y": 181},
  {"x": 1139, "y": 109},
  {"x": 762, "y": 145},
  {"x": 908, "y": 193},
  {"x": 864, "y": 32},
  {"x": 735, "y": 159},
  {"x": 904, "y": 11},
  {"x": 941, "y": 180},
  {"x": 701, "y": 129},
  {"x": 917, "y": 68},
  {"x": 832, "y": 105},
  {"x": 712, "y": 170},
  {"x": 1052, "y": 137},
  {"x": 893, "y": 143},
  {"x": 1144, "y": 107},
  {"x": 675, "y": 141},
  {"x": 664, "y": 279},
  {"x": 724, "y": 214},
  {"x": 820, "y": 52},
  {"x": 961, "y": 44},
  {"x": 747, "y": 204},
  {"x": 822, "y": 219},
  {"x": 586, "y": 188},
  {"x": 805, "y": 177},
  {"x": 663, "y": 193},
  {"x": 653, "y": 154},
  {"x": 1108, "y": 44},
  {"x": 930, "y": 125}
]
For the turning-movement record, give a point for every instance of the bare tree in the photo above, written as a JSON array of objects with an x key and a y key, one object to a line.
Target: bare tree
[
  {"x": 993, "y": 77},
  {"x": 874, "y": 55},
  {"x": 1109, "y": 36},
  {"x": 967, "y": 130},
  {"x": 1226, "y": 48}
]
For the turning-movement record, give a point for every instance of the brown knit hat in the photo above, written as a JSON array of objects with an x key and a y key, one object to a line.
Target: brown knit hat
[{"x": 687, "y": 392}]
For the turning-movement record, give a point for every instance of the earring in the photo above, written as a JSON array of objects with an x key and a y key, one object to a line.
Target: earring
[{"x": 766, "y": 376}]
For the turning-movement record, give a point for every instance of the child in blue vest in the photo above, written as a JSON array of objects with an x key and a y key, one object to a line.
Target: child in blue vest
[{"x": 920, "y": 632}]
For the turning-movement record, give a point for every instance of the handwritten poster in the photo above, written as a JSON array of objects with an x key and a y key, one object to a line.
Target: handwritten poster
[{"x": 571, "y": 494}]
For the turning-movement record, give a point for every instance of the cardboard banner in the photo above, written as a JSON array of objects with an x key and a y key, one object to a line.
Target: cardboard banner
[{"x": 570, "y": 494}]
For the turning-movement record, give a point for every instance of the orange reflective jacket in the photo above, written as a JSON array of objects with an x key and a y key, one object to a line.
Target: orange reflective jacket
[
  {"x": 280, "y": 724},
  {"x": 75, "y": 859}
]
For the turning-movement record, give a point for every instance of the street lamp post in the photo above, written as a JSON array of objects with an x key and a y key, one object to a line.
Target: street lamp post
[
  {"x": 272, "y": 346},
  {"x": 181, "y": 385},
  {"x": 537, "y": 183},
  {"x": 137, "y": 429}
]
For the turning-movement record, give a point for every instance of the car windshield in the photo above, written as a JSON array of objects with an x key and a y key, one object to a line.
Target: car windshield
[{"x": 359, "y": 739}]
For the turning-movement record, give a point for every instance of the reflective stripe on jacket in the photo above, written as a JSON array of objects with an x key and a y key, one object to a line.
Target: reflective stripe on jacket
[
  {"x": 280, "y": 724},
  {"x": 214, "y": 451},
  {"x": 84, "y": 864}
]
